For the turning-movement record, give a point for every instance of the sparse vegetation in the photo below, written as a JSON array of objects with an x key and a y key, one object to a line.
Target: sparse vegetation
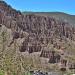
[
  {"x": 34, "y": 34},
  {"x": 1, "y": 72}
]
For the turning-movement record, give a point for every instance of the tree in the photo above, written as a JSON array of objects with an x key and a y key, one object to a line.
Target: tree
[{"x": 3, "y": 40}]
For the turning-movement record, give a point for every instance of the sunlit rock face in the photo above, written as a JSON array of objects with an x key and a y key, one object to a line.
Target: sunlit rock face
[
  {"x": 40, "y": 29},
  {"x": 38, "y": 33}
]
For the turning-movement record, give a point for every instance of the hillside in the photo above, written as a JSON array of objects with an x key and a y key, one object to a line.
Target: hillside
[
  {"x": 35, "y": 41},
  {"x": 58, "y": 15}
]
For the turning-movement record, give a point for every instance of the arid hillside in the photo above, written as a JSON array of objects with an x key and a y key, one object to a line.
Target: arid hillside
[{"x": 35, "y": 42}]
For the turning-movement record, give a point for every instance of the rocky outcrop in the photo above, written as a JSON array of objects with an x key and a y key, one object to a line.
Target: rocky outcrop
[
  {"x": 38, "y": 32},
  {"x": 52, "y": 55},
  {"x": 39, "y": 26}
]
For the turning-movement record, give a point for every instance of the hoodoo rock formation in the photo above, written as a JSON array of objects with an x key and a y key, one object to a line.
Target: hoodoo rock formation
[{"x": 40, "y": 33}]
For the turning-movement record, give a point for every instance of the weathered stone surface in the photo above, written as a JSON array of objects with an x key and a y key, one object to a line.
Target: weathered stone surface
[
  {"x": 52, "y": 55},
  {"x": 38, "y": 32}
]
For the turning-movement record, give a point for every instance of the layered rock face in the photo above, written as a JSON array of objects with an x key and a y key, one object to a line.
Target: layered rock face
[
  {"x": 38, "y": 32},
  {"x": 40, "y": 29}
]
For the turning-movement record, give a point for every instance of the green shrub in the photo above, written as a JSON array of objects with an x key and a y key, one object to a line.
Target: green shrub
[{"x": 1, "y": 72}]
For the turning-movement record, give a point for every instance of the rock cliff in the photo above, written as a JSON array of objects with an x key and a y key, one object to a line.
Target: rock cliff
[{"x": 36, "y": 32}]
